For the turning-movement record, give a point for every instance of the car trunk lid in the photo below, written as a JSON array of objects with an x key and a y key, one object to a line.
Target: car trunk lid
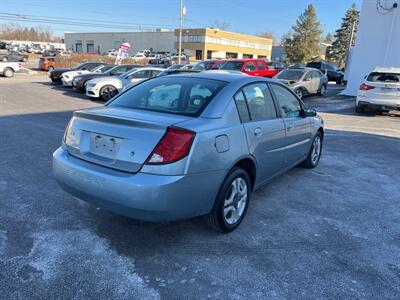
[{"x": 118, "y": 138}]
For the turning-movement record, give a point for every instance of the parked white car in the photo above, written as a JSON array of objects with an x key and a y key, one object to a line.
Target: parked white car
[
  {"x": 7, "y": 69},
  {"x": 138, "y": 56},
  {"x": 68, "y": 77},
  {"x": 107, "y": 87},
  {"x": 380, "y": 91}
]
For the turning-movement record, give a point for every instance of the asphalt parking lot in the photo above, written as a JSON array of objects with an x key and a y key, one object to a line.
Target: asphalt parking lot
[{"x": 331, "y": 232}]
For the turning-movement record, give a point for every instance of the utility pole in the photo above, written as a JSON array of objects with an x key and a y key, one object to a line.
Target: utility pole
[{"x": 181, "y": 13}]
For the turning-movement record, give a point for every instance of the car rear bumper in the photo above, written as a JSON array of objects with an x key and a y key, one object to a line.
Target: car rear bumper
[
  {"x": 378, "y": 104},
  {"x": 141, "y": 196}
]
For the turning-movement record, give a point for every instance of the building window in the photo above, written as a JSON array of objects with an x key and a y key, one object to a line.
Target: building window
[
  {"x": 89, "y": 46},
  {"x": 78, "y": 46},
  {"x": 209, "y": 54},
  {"x": 231, "y": 55},
  {"x": 199, "y": 54},
  {"x": 247, "y": 55}
]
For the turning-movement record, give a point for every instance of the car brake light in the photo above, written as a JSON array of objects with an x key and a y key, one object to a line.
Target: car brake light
[
  {"x": 366, "y": 87},
  {"x": 174, "y": 145},
  {"x": 66, "y": 131}
]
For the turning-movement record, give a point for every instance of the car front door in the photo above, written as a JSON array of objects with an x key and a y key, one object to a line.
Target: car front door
[
  {"x": 250, "y": 68},
  {"x": 265, "y": 132},
  {"x": 298, "y": 128}
]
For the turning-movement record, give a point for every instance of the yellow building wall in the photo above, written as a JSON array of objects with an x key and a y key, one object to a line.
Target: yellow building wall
[{"x": 211, "y": 32}]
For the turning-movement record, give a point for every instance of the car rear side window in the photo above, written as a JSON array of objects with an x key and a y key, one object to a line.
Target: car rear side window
[
  {"x": 176, "y": 95},
  {"x": 242, "y": 106},
  {"x": 290, "y": 106},
  {"x": 384, "y": 77},
  {"x": 260, "y": 66},
  {"x": 259, "y": 101}
]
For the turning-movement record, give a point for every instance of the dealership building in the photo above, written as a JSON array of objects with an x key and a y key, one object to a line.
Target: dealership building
[{"x": 197, "y": 44}]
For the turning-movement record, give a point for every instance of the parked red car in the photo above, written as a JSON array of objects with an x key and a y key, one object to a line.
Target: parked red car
[{"x": 253, "y": 67}]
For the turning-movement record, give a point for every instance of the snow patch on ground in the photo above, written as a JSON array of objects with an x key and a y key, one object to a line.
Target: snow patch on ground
[{"x": 81, "y": 255}]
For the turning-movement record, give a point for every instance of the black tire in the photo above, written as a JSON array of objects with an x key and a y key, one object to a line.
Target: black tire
[
  {"x": 359, "y": 109},
  {"x": 216, "y": 219},
  {"x": 322, "y": 90},
  {"x": 311, "y": 162},
  {"x": 107, "y": 92},
  {"x": 339, "y": 81},
  {"x": 300, "y": 93},
  {"x": 8, "y": 72}
]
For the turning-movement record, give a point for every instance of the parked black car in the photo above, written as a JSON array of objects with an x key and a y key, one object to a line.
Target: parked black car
[
  {"x": 332, "y": 71},
  {"x": 79, "y": 82},
  {"x": 55, "y": 75},
  {"x": 13, "y": 56}
]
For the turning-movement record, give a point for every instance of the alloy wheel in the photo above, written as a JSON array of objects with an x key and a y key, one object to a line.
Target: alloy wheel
[
  {"x": 108, "y": 92},
  {"x": 299, "y": 93},
  {"x": 235, "y": 200},
  {"x": 316, "y": 150}
]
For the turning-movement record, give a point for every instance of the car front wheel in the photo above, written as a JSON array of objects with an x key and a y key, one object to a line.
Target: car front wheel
[
  {"x": 231, "y": 203},
  {"x": 299, "y": 93},
  {"x": 314, "y": 155},
  {"x": 8, "y": 72},
  {"x": 322, "y": 90},
  {"x": 107, "y": 92}
]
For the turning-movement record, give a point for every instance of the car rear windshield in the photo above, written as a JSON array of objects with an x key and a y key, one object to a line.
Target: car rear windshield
[
  {"x": 290, "y": 74},
  {"x": 176, "y": 95},
  {"x": 384, "y": 77},
  {"x": 232, "y": 65}
]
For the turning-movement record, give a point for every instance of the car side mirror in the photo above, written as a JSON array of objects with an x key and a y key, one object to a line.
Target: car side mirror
[{"x": 309, "y": 112}]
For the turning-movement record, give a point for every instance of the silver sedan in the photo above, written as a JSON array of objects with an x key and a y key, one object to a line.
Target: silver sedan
[{"x": 187, "y": 145}]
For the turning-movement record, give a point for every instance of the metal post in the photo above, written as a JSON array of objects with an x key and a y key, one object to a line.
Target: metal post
[{"x": 180, "y": 30}]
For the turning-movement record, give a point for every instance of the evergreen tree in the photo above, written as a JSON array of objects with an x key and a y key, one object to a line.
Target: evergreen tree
[
  {"x": 302, "y": 43},
  {"x": 338, "y": 51}
]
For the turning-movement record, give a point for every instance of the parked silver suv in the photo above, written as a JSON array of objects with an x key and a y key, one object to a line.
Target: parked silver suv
[{"x": 187, "y": 145}]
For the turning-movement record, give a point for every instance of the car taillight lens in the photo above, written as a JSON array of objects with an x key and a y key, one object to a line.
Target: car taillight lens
[
  {"x": 366, "y": 87},
  {"x": 174, "y": 145},
  {"x": 66, "y": 131}
]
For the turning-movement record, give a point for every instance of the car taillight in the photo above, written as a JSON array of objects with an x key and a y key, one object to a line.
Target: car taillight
[
  {"x": 366, "y": 87},
  {"x": 66, "y": 131},
  {"x": 174, "y": 145}
]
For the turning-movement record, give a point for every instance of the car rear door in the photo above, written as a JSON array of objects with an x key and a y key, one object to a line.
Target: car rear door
[
  {"x": 298, "y": 128},
  {"x": 265, "y": 132}
]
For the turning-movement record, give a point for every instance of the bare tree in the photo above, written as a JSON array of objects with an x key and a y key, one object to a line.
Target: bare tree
[
  {"x": 16, "y": 32},
  {"x": 222, "y": 25}
]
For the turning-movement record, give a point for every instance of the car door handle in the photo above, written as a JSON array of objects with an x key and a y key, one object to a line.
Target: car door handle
[
  {"x": 290, "y": 126},
  {"x": 257, "y": 132}
]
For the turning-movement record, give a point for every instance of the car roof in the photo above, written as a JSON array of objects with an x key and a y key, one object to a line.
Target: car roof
[
  {"x": 246, "y": 59},
  {"x": 386, "y": 70},
  {"x": 223, "y": 75}
]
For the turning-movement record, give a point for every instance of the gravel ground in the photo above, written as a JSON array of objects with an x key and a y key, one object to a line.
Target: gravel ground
[{"x": 331, "y": 232}]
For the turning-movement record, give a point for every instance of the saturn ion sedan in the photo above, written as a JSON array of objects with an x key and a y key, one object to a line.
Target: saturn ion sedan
[{"x": 187, "y": 145}]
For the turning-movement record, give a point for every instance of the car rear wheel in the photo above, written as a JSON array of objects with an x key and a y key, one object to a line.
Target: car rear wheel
[
  {"x": 107, "y": 92},
  {"x": 322, "y": 90},
  {"x": 7, "y": 72},
  {"x": 314, "y": 155},
  {"x": 231, "y": 203},
  {"x": 299, "y": 92},
  {"x": 359, "y": 109}
]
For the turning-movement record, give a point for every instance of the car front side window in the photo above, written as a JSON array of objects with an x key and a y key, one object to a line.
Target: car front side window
[{"x": 290, "y": 106}]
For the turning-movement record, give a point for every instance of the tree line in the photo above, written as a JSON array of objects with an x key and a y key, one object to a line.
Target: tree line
[
  {"x": 303, "y": 42},
  {"x": 21, "y": 33}
]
